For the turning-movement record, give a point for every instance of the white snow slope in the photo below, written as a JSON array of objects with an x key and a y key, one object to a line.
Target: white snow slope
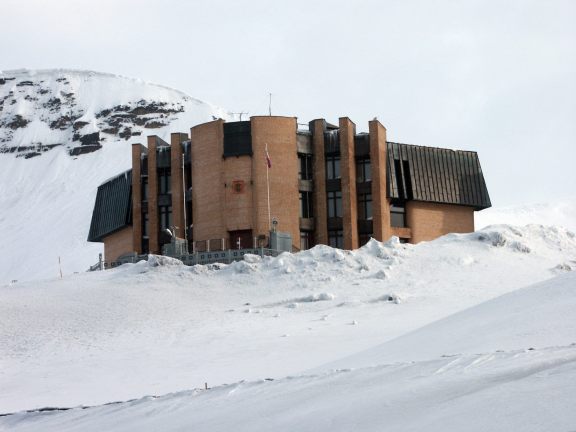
[
  {"x": 443, "y": 332},
  {"x": 559, "y": 213},
  {"x": 46, "y": 200}
]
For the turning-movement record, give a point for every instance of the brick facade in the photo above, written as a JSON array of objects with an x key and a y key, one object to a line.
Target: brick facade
[
  {"x": 118, "y": 244},
  {"x": 229, "y": 190},
  {"x": 428, "y": 221}
]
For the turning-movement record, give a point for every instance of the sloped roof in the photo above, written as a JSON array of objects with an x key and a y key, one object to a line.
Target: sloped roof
[
  {"x": 436, "y": 175},
  {"x": 113, "y": 207}
]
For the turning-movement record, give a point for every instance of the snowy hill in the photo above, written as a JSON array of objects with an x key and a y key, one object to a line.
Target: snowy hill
[
  {"x": 62, "y": 133},
  {"x": 161, "y": 327},
  {"x": 561, "y": 213}
]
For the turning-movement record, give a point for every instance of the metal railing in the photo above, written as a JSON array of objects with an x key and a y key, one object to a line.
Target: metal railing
[{"x": 205, "y": 257}]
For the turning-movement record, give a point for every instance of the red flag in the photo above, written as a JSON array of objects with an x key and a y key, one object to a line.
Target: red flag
[{"x": 268, "y": 160}]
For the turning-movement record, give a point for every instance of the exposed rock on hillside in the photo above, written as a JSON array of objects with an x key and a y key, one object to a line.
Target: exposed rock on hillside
[{"x": 82, "y": 111}]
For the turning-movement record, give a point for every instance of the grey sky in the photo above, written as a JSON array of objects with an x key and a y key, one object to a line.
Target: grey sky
[{"x": 498, "y": 77}]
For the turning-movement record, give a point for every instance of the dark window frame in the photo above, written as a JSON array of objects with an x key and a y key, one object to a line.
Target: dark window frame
[
  {"x": 306, "y": 209},
  {"x": 164, "y": 181},
  {"x": 365, "y": 206},
  {"x": 165, "y": 217},
  {"x": 334, "y": 203},
  {"x": 398, "y": 215},
  {"x": 363, "y": 170},
  {"x": 333, "y": 166},
  {"x": 336, "y": 238},
  {"x": 304, "y": 166}
]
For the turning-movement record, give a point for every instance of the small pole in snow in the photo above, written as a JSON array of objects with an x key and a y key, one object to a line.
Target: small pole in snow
[
  {"x": 60, "y": 267},
  {"x": 205, "y": 386}
]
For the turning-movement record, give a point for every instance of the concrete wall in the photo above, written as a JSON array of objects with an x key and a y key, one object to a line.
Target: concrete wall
[
  {"x": 118, "y": 244},
  {"x": 428, "y": 221}
]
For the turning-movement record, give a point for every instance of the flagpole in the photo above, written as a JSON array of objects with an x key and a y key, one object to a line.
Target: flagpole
[{"x": 268, "y": 188}]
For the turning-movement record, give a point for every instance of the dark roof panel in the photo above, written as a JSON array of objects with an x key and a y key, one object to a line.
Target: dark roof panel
[
  {"x": 113, "y": 207},
  {"x": 436, "y": 175}
]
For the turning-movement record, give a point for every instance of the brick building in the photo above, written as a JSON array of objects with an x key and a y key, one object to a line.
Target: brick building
[{"x": 326, "y": 185}]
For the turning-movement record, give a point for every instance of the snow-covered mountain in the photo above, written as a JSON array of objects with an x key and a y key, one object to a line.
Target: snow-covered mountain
[
  {"x": 62, "y": 133},
  {"x": 467, "y": 332}
]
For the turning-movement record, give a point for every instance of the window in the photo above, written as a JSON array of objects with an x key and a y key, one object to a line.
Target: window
[
  {"x": 145, "y": 189},
  {"x": 305, "y": 204},
  {"x": 397, "y": 215},
  {"x": 305, "y": 167},
  {"x": 238, "y": 187},
  {"x": 363, "y": 170},
  {"x": 365, "y": 206},
  {"x": 305, "y": 240},
  {"x": 332, "y": 167},
  {"x": 145, "y": 224},
  {"x": 165, "y": 217},
  {"x": 164, "y": 181},
  {"x": 335, "y": 204},
  {"x": 336, "y": 238}
]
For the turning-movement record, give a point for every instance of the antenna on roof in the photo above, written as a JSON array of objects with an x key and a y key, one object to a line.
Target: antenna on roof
[
  {"x": 270, "y": 104},
  {"x": 240, "y": 114}
]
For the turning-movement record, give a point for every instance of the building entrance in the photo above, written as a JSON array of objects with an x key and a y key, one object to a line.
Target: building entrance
[{"x": 241, "y": 239}]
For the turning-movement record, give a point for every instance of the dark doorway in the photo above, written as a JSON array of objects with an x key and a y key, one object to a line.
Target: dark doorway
[{"x": 241, "y": 239}]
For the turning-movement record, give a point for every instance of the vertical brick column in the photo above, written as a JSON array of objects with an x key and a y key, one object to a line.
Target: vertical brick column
[
  {"x": 137, "y": 150},
  {"x": 279, "y": 133},
  {"x": 348, "y": 179},
  {"x": 207, "y": 141},
  {"x": 319, "y": 175},
  {"x": 154, "y": 223},
  {"x": 378, "y": 160},
  {"x": 177, "y": 186}
]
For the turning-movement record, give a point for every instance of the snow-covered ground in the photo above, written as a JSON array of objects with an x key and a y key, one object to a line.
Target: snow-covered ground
[
  {"x": 46, "y": 201},
  {"x": 467, "y": 332},
  {"x": 438, "y": 336},
  {"x": 561, "y": 213}
]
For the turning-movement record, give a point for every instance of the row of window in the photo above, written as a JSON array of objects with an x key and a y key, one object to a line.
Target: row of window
[
  {"x": 363, "y": 173},
  {"x": 164, "y": 217},
  {"x": 164, "y": 184}
]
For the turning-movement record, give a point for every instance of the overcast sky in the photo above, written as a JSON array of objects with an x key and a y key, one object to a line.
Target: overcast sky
[{"x": 498, "y": 77}]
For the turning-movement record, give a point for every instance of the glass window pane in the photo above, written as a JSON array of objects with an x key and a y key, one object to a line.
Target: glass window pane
[{"x": 336, "y": 167}]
